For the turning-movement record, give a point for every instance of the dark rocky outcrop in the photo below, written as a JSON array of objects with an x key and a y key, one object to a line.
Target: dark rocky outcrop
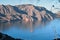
[
  {"x": 57, "y": 39},
  {"x": 6, "y": 37},
  {"x": 26, "y": 13}
]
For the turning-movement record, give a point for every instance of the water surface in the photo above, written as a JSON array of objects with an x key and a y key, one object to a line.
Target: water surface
[{"x": 32, "y": 30}]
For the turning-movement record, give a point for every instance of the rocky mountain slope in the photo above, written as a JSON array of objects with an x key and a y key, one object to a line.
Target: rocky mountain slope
[
  {"x": 58, "y": 14},
  {"x": 26, "y": 13}
]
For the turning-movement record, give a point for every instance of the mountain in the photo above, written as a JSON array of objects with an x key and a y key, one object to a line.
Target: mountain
[{"x": 27, "y": 12}]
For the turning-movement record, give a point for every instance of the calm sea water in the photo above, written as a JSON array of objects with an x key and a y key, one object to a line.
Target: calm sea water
[{"x": 31, "y": 30}]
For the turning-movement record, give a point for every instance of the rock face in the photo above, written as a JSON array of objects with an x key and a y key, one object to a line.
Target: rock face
[
  {"x": 6, "y": 37},
  {"x": 58, "y": 14},
  {"x": 26, "y": 13}
]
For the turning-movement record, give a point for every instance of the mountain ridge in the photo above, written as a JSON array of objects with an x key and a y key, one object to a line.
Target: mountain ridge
[{"x": 27, "y": 12}]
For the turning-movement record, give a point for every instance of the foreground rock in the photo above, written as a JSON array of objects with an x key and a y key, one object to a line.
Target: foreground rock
[
  {"x": 57, "y": 39},
  {"x": 6, "y": 37},
  {"x": 26, "y": 13}
]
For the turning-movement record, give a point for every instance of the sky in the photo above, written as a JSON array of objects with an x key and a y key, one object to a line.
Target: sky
[{"x": 45, "y": 3}]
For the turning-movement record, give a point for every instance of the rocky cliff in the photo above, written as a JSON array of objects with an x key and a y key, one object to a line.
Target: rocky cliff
[
  {"x": 26, "y": 13},
  {"x": 58, "y": 14}
]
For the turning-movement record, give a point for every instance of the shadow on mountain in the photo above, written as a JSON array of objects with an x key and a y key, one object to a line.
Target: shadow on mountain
[
  {"x": 51, "y": 13},
  {"x": 2, "y": 15},
  {"x": 18, "y": 10},
  {"x": 40, "y": 8}
]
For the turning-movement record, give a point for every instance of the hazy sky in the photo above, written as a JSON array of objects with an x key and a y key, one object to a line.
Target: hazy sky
[{"x": 45, "y": 3}]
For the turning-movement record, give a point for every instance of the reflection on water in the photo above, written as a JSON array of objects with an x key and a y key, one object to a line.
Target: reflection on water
[
  {"x": 31, "y": 30},
  {"x": 23, "y": 25}
]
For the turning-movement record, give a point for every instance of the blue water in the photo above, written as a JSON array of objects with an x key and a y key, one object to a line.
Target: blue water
[{"x": 32, "y": 31}]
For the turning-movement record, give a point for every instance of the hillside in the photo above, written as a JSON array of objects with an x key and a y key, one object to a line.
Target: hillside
[{"x": 25, "y": 12}]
